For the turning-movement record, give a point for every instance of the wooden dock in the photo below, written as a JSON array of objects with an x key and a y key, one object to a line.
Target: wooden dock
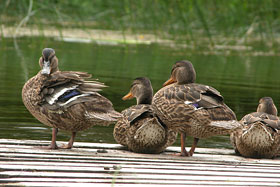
[{"x": 25, "y": 163}]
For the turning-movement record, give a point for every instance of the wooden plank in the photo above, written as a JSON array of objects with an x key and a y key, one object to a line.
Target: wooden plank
[
  {"x": 269, "y": 176},
  {"x": 130, "y": 176},
  {"x": 108, "y": 146},
  {"x": 55, "y": 184},
  {"x": 129, "y": 154},
  {"x": 25, "y": 163},
  {"x": 119, "y": 181},
  {"x": 42, "y": 184},
  {"x": 196, "y": 167},
  {"x": 166, "y": 166},
  {"x": 46, "y": 143},
  {"x": 125, "y": 155}
]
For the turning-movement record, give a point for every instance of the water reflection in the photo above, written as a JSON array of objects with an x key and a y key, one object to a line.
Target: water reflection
[{"x": 242, "y": 80}]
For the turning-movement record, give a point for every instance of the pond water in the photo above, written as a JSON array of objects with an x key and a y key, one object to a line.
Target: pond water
[{"x": 242, "y": 80}]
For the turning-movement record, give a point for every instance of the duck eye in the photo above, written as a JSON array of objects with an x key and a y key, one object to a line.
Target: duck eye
[{"x": 133, "y": 85}]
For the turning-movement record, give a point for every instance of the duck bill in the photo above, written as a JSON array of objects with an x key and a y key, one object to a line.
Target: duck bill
[
  {"x": 46, "y": 70},
  {"x": 128, "y": 96},
  {"x": 169, "y": 81}
]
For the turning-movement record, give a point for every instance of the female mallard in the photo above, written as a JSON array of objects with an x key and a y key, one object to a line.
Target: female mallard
[
  {"x": 139, "y": 129},
  {"x": 64, "y": 100},
  {"x": 192, "y": 109},
  {"x": 260, "y": 135}
]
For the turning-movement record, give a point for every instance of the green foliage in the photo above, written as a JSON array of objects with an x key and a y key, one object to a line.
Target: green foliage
[{"x": 188, "y": 18}]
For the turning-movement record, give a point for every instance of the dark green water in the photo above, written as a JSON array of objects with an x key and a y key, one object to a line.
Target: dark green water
[{"x": 242, "y": 80}]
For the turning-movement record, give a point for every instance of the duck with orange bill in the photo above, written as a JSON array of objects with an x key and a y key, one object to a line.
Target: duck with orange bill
[
  {"x": 192, "y": 109},
  {"x": 140, "y": 130}
]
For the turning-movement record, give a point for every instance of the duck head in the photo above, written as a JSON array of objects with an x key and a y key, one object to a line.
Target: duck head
[
  {"x": 182, "y": 72},
  {"x": 48, "y": 62},
  {"x": 141, "y": 88},
  {"x": 267, "y": 105}
]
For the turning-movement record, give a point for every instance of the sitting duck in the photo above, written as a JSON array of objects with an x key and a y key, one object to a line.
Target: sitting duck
[
  {"x": 66, "y": 100},
  {"x": 139, "y": 129},
  {"x": 192, "y": 109},
  {"x": 260, "y": 135}
]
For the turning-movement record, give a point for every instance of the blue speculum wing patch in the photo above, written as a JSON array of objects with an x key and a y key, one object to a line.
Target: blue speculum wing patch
[
  {"x": 195, "y": 105},
  {"x": 68, "y": 95}
]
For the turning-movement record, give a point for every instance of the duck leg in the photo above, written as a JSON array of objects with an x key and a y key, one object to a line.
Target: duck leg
[
  {"x": 195, "y": 141},
  {"x": 53, "y": 143},
  {"x": 183, "y": 149},
  {"x": 71, "y": 141}
]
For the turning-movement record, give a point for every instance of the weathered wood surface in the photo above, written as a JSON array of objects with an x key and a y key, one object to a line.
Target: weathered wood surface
[{"x": 26, "y": 163}]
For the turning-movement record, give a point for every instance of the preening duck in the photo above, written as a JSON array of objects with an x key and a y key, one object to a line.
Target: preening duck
[
  {"x": 66, "y": 100},
  {"x": 260, "y": 135}
]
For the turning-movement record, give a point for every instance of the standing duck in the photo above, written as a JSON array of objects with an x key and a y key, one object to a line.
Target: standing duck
[
  {"x": 260, "y": 135},
  {"x": 65, "y": 100},
  {"x": 139, "y": 129},
  {"x": 192, "y": 109}
]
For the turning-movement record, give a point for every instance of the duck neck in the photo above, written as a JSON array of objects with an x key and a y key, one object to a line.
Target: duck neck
[
  {"x": 147, "y": 99},
  {"x": 270, "y": 110},
  {"x": 54, "y": 70}
]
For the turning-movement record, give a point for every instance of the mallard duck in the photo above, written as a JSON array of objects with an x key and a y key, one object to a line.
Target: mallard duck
[
  {"x": 139, "y": 129},
  {"x": 192, "y": 109},
  {"x": 260, "y": 135},
  {"x": 65, "y": 100}
]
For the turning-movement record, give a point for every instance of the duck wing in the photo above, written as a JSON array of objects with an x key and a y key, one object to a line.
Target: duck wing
[
  {"x": 64, "y": 89},
  {"x": 136, "y": 112},
  {"x": 177, "y": 104},
  {"x": 268, "y": 119},
  {"x": 197, "y": 96}
]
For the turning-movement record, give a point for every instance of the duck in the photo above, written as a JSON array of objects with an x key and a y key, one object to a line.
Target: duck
[
  {"x": 139, "y": 129},
  {"x": 192, "y": 109},
  {"x": 259, "y": 136},
  {"x": 66, "y": 100}
]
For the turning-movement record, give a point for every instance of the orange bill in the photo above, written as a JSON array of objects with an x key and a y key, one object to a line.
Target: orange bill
[
  {"x": 169, "y": 81},
  {"x": 128, "y": 96}
]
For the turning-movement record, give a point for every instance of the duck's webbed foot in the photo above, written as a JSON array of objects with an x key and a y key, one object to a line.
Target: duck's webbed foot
[
  {"x": 70, "y": 143},
  {"x": 184, "y": 153},
  {"x": 65, "y": 146},
  {"x": 52, "y": 146}
]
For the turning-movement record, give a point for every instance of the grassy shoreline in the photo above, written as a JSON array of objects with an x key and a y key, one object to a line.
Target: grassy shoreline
[
  {"x": 252, "y": 46},
  {"x": 179, "y": 19}
]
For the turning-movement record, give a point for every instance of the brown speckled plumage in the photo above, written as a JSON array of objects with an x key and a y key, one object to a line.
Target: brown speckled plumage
[
  {"x": 192, "y": 109},
  {"x": 260, "y": 135},
  {"x": 139, "y": 129},
  {"x": 66, "y": 100}
]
